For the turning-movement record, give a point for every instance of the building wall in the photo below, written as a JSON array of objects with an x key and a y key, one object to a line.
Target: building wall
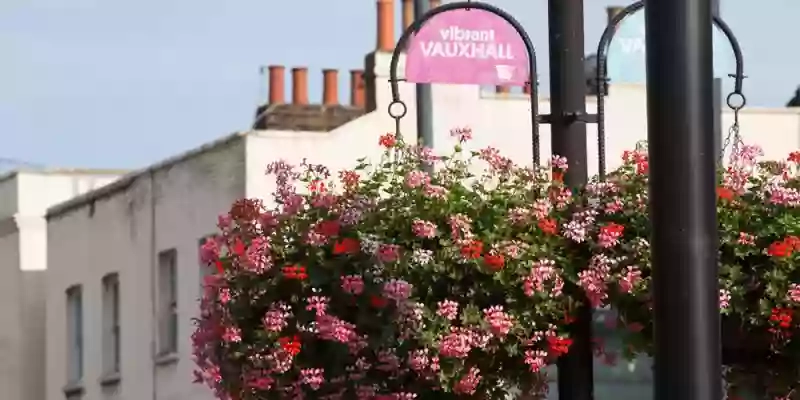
[
  {"x": 24, "y": 198},
  {"x": 167, "y": 207}
]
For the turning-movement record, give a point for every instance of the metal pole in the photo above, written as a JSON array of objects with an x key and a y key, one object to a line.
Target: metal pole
[
  {"x": 568, "y": 132},
  {"x": 683, "y": 200},
  {"x": 715, "y": 10},
  {"x": 424, "y": 96}
]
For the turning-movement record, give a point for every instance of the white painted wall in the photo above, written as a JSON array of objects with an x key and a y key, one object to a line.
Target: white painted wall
[
  {"x": 175, "y": 204},
  {"x": 24, "y": 199},
  {"x": 163, "y": 208}
]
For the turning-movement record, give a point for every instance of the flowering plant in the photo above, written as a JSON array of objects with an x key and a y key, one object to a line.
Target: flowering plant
[
  {"x": 759, "y": 220},
  {"x": 391, "y": 282}
]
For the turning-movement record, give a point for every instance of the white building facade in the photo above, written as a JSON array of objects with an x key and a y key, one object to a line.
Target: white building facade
[{"x": 24, "y": 199}]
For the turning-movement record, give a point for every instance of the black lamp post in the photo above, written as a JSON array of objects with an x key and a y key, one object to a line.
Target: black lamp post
[{"x": 683, "y": 200}]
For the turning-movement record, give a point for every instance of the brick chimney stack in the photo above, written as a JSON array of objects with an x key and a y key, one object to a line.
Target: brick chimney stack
[
  {"x": 408, "y": 13},
  {"x": 385, "y": 25},
  {"x": 357, "y": 95},
  {"x": 330, "y": 87},
  {"x": 299, "y": 85},
  {"x": 277, "y": 85}
]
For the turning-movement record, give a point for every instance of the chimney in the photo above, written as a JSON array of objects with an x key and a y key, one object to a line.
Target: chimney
[
  {"x": 612, "y": 12},
  {"x": 277, "y": 85},
  {"x": 502, "y": 89},
  {"x": 408, "y": 13},
  {"x": 330, "y": 87},
  {"x": 435, "y": 3},
  {"x": 385, "y": 25},
  {"x": 299, "y": 85},
  {"x": 357, "y": 98}
]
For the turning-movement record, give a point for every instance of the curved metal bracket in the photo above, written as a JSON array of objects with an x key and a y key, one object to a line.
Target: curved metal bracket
[
  {"x": 602, "y": 77},
  {"x": 532, "y": 80}
]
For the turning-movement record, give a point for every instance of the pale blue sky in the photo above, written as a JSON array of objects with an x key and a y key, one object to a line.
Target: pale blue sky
[{"x": 124, "y": 83}]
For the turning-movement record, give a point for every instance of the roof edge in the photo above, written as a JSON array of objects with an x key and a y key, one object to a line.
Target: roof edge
[{"x": 126, "y": 181}]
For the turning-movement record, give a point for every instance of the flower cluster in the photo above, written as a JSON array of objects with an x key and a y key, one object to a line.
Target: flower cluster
[
  {"x": 759, "y": 226},
  {"x": 390, "y": 282}
]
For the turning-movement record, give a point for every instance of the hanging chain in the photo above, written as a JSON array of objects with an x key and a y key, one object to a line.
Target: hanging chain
[{"x": 734, "y": 138}]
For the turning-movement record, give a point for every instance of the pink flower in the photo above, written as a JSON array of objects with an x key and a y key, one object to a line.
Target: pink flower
[
  {"x": 423, "y": 229},
  {"x": 724, "y": 299},
  {"x": 631, "y": 277},
  {"x": 353, "y": 284},
  {"x": 232, "y": 334},
  {"x": 746, "y": 239},
  {"x": 543, "y": 272},
  {"x": 415, "y": 179},
  {"x": 499, "y": 322},
  {"x": 559, "y": 162},
  {"x": 462, "y": 134},
  {"x": 469, "y": 382},
  {"x": 448, "y": 309},
  {"x": 594, "y": 279},
  {"x": 334, "y": 329},
  {"x": 318, "y": 304},
  {"x": 276, "y": 318},
  {"x": 397, "y": 290},
  {"x": 313, "y": 377},
  {"x": 456, "y": 344},
  {"x": 536, "y": 359},
  {"x": 794, "y": 293}
]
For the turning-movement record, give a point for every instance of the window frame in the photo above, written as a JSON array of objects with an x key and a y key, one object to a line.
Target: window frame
[
  {"x": 167, "y": 298},
  {"x": 112, "y": 341},
  {"x": 75, "y": 335}
]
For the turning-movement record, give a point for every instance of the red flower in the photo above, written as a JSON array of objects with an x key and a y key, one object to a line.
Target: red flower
[
  {"x": 472, "y": 250},
  {"x": 378, "y": 301},
  {"x": 780, "y": 249},
  {"x": 793, "y": 242},
  {"x": 795, "y": 157},
  {"x": 725, "y": 193},
  {"x": 388, "y": 140},
  {"x": 642, "y": 167},
  {"x": 558, "y": 346},
  {"x": 291, "y": 345},
  {"x": 328, "y": 228},
  {"x": 548, "y": 226},
  {"x": 346, "y": 246},
  {"x": 238, "y": 247},
  {"x": 294, "y": 272},
  {"x": 317, "y": 186},
  {"x": 782, "y": 317},
  {"x": 495, "y": 262},
  {"x": 220, "y": 267}
]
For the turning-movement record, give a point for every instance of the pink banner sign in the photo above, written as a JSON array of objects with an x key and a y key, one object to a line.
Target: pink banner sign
[{"x": 467, "y": 47}]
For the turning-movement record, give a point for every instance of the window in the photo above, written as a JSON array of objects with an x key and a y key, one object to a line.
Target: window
[
  {"x": 111, "y": 330},
  {"x": 168, "y": 302},
  {"x": 74, "y": 334}
]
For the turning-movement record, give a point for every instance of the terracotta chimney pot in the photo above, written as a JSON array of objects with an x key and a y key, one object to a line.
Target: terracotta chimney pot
[
  {"x": 408, "y": 13},
  {"x": 385, "y": 25},
  {"x": 357, "y": 95},
  {"x": 277, "y": 85},
  {"x": 300, "y": 85},
  {"x": 330, "y": 87}
]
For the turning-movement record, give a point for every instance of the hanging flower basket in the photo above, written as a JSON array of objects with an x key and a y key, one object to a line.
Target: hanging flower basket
[
  {"x": 388, "y": 282},
  {"x": 759, "y": 221}
]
